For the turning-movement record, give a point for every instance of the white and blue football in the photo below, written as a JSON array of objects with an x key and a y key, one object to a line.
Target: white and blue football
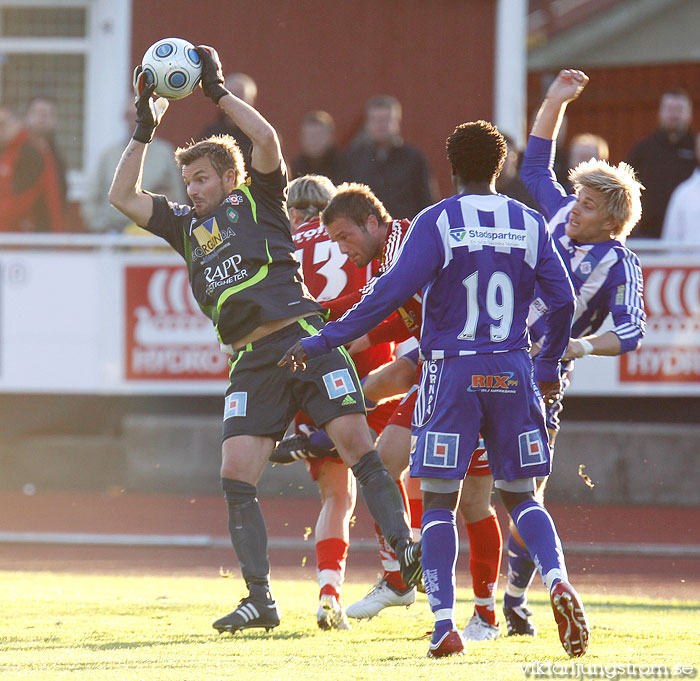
[{"x": 174, "y": 66}]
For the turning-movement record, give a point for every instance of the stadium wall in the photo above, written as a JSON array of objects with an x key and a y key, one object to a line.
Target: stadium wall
[
  {"x": 172, "y": 444},
  {"x": 620, "y": 103},
  {"x": 436, "y": 57}
]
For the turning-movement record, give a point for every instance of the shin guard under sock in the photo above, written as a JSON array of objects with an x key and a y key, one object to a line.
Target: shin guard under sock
[
  {"x": 331, "y": 556},
  {"x": 521, "y": 570},
  {"x": 536, "y": 528},
  {"x": 439, "y": 558},
  {"x": 382, "y": 497},
  {"x": 485, "y": 550},
  {"x": 246, "y": 526}
]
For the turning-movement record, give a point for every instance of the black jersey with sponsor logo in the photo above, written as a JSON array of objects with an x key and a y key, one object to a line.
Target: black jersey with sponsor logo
[{"x": 240, "y": 256}]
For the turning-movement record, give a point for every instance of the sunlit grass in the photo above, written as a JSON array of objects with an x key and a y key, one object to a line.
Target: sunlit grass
[{"x": 69, "y": 626}]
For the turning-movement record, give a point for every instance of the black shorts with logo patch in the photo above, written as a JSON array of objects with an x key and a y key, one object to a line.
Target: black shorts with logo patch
[{"x": 262, "y": 398}]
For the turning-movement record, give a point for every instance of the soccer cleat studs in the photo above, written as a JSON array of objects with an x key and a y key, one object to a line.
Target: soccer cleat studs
[
  {"x": 248, "y": 615},
  {"x": 571, "y": 619}
]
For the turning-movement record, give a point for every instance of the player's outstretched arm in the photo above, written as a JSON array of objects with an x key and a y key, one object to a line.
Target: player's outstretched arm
[
  {"x": 126, "y": 194},
  {"x": 607, "y": 344},
  {"x": 267, "y": 154},
  {"x": 565, "y": 88},
  {"x": 626, "y": 304}
]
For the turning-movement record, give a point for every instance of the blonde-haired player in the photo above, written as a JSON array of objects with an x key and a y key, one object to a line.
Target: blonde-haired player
[
  {"x": 619, "y": 190},
  {"x": 588, "y": 228}
]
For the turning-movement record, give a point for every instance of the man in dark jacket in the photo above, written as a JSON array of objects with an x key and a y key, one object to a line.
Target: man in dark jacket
[
  {"x": 664, "y": 159},
  {"x": 397, "y": 172}
]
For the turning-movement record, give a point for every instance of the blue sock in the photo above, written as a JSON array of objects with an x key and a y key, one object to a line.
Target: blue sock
[
  {"x": 536, "y": 529},
  {"x": 440, "y": 545},
  {"x": 521, "y": 570}
]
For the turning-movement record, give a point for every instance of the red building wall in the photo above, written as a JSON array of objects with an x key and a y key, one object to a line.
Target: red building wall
[
  {"x": 436, "y": 57},
  {"x": 621, "y": 103}
]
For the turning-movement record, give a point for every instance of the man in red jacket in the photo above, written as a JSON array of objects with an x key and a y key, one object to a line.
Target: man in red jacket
[{"x": 30, "y": 198}]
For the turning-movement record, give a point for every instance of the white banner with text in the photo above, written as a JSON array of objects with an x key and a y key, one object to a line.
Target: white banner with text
[{"x": 116, "y": 320}]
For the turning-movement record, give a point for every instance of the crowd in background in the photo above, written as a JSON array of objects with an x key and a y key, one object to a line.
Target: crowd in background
[
  {"x": 33, "y": 185},
  {"x": 32, "y": 173}
]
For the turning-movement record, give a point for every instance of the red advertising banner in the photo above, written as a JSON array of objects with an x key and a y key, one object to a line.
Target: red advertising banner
[
  {"x": 670, "y": 352},
  {"x": 167, "y": 335}
]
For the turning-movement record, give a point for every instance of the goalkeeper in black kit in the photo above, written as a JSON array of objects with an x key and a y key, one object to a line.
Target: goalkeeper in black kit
[{"x": 237, "y": 243}]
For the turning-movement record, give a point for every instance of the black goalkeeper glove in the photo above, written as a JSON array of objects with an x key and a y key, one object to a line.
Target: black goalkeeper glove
[
  {"x": 148, "y": 112},
  {"x": 212, "y": 74}
]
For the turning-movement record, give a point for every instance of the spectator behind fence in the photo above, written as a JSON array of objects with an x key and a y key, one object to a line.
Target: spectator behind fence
[
  {"x": 319, "y": 155},
  {"x": 583, "y": 147},
  {"x": 509, "y": 182},
  {"x": 30, "y": 198},
  {"x": 664, "y": 159},
  {"x": 41, "y": 119},
  {"x": 397, "y": 172},
  {"x": 244, "y": 87},
  {"x": 682, "y": 222},
  {"x": 161, "y": 175}
]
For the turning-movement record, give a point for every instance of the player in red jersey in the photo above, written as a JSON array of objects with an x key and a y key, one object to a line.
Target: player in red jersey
[
  {"x": 360, "y": 226},
  {"x": 329, "y": 274}
]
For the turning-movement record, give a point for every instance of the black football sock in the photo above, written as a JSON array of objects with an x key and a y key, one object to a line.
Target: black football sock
[
  {"x": 246, "y": 526},
  {"x": 383, "y": 498}
]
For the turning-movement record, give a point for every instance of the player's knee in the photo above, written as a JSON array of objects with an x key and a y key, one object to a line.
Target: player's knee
[
  {"x": 437, "y": 500},
  {"x": 393, "y": 447},
  {"x": 338, "y": 505},
  {"x": 541, "y": 486},
  {"x": 351, "y": 437},
  {"x": 369, "y": 466},
  {"x": 474, "y": 512},
  {"x": 336, "y": 490},
  {"x": 440, "y": 493},
  {"x": 238, "y": 492},
  {"x": 394, "y": 461}
]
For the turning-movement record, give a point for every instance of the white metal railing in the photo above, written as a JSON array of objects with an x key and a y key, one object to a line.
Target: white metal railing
[{"x": 113, "y": 314}]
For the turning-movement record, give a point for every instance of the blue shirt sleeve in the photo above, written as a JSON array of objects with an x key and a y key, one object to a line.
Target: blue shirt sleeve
[
  {"x": 537, "y": 173},
  {"x": 558, "y": 294},
  {"x": 626, "y": 302},
  {"x": 419, "y": 260}
]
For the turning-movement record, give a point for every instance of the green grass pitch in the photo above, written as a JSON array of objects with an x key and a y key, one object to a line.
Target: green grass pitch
[{"x": 109, "y": 628}]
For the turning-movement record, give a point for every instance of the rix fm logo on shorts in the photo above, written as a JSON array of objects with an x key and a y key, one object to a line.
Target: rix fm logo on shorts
[{"x": 494, "y": 383}]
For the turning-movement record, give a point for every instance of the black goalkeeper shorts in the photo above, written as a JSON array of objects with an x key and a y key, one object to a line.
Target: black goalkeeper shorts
[{"x": 262, "y": 398}]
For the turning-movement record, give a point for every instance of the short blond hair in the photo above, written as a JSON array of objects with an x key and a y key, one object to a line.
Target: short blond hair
[
  {"x": 310, "y": 194},
  {"x": 620, "y": 188}
]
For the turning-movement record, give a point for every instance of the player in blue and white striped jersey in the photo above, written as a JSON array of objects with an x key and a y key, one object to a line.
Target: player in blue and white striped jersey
[
  {"x": 589, "y": 229},
  {"x": 477, "y": 257}
]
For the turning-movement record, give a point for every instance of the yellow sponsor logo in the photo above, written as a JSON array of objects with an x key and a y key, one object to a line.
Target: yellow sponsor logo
[{"x": 208, "y": 236}]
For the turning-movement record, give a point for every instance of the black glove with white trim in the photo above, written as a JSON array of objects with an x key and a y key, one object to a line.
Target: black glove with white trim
[
  {"x": 212, "y": 73},
  {"x": 148, "y": 112}
]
